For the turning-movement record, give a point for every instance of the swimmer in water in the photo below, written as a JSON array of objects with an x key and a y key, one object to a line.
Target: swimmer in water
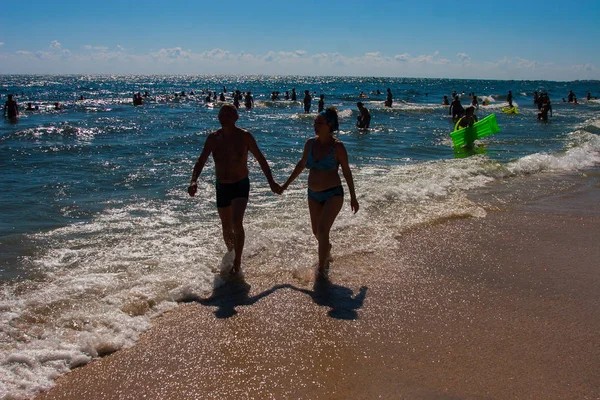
[
  {"x": 456, "y": 109},
  {"x": 321, "y": 103},
  {"x": 248, "y": 101},
  {"x": 469, "y": 119},
  {"x": 364, "y": 119},
  {"x": 11, "y": 108},
  {"x": 307, "y": 101},
  {"x": 389, "y": 100}
]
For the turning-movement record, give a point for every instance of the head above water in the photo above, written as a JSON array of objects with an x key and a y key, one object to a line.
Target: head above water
[{"x": 228, "y": 114}]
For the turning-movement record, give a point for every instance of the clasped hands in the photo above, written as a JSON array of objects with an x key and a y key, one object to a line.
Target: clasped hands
[{"x": 275, "y": 187}]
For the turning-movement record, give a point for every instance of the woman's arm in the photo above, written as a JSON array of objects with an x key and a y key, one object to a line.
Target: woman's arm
[
  {"x": 299, "y": 167},
  {"x": 342, "y": 157}
]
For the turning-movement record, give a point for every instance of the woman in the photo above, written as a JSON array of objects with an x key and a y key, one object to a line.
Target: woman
[{"x": 323, "y": 155}]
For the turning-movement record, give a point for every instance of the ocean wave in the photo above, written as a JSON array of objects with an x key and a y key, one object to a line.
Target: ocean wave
[{"x": 583, "y": 152}]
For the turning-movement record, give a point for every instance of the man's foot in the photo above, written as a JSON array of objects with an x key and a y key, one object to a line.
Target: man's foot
[
  {"x": 236, "y": 268},
  {"x": 227, "y": 261}
]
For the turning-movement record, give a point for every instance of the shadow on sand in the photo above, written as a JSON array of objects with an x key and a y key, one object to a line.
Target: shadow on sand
[
  {"x": 340, "y": 299},
  {"x": 233, "y": 292}
]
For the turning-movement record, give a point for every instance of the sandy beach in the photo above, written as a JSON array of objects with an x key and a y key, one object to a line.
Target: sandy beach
[{"x": 500, "y": 307}]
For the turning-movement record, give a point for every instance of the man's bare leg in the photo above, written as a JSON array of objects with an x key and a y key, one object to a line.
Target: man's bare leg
[
  {"x": 238, "y": 208},
  {"x": 226, "y": 215}
]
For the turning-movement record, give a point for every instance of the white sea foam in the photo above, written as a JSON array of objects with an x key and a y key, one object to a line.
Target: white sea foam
[{"x": 583, "y": 153}]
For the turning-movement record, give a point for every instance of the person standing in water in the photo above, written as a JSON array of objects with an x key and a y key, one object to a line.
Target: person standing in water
[
  {"x": 307, "y": 101},
  {"x": 456, "y": 109},
  {"x": 321, "y": 103},
  {"x": 323, "y": 155},
  {"x": 11, "y": 108},
  {"x": 248, "y": 101},
  {"x": 388, "y": 101},
  {"x": 229, "y": 147},
  {"x": 364, "y": 119}
]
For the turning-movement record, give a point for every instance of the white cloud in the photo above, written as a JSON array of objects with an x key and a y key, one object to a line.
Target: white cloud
[
  {"x": 97, "y": 48},
  {"x": 175, "y": 60},
  {"x": 216, "y": 54},
  {"x": 1, "y": 43},
  {"x": 43, "y": 55},
  {"x": 463, "y": 57},
  {"x": 55, "y": 44},
  {"x": 523, "y": 63}
]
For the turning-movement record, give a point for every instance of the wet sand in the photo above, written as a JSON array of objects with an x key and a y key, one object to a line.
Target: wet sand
[{"x": 501, "y": 307}]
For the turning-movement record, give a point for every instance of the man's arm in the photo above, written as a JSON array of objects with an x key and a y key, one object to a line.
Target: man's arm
[
  {"x": 208, "y": 148},
  {"x": 262, "y": 161}
]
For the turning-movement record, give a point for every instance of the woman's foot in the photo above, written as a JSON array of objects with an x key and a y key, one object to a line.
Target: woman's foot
[{"x": 322, "y": 271}]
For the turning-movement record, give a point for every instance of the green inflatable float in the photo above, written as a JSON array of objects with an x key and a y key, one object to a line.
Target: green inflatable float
[
  {"x": 468, "y": 135},
  {"x": 510, "y": 110}
]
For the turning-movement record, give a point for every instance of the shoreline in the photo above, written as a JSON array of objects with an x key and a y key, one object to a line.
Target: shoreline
[{"x": 500, "y": 307}]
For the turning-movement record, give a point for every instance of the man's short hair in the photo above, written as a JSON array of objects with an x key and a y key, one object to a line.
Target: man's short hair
[{"x": 226, "y": 112}]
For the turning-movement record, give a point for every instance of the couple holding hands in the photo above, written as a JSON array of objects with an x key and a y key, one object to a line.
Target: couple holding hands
[{"x": 323, "y": 155}]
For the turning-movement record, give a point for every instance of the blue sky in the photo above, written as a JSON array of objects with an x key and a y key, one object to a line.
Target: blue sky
[{"x": 555, "y": 40}]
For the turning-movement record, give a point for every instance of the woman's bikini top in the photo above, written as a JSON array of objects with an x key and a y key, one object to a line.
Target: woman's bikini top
[{"x": 327, "y": 163}]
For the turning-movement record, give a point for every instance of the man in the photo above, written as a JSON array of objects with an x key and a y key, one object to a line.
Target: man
[
  {"x": 456, "y": 109},
  {"x": 388, "y": 100},
  {"x": 229, "y": 147},
  {"x": 11, "y": 109},
  {"x": 545, "y": 109},
  {"x": 307, "y": 101},
  {"x": 248, "y": 101},
  {"x": 364, "y": 119}
]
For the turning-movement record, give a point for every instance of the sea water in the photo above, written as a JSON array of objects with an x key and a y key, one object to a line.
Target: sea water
[{"x": 98, "y": 234}]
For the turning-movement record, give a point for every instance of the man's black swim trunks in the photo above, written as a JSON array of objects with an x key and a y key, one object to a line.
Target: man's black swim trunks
[{"x": 229, "y": 191}]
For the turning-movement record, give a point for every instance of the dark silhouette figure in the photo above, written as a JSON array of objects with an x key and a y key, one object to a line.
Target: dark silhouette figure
[
  {"x": 338, "y": 298},
  {"x": 233, "y": 293}
]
